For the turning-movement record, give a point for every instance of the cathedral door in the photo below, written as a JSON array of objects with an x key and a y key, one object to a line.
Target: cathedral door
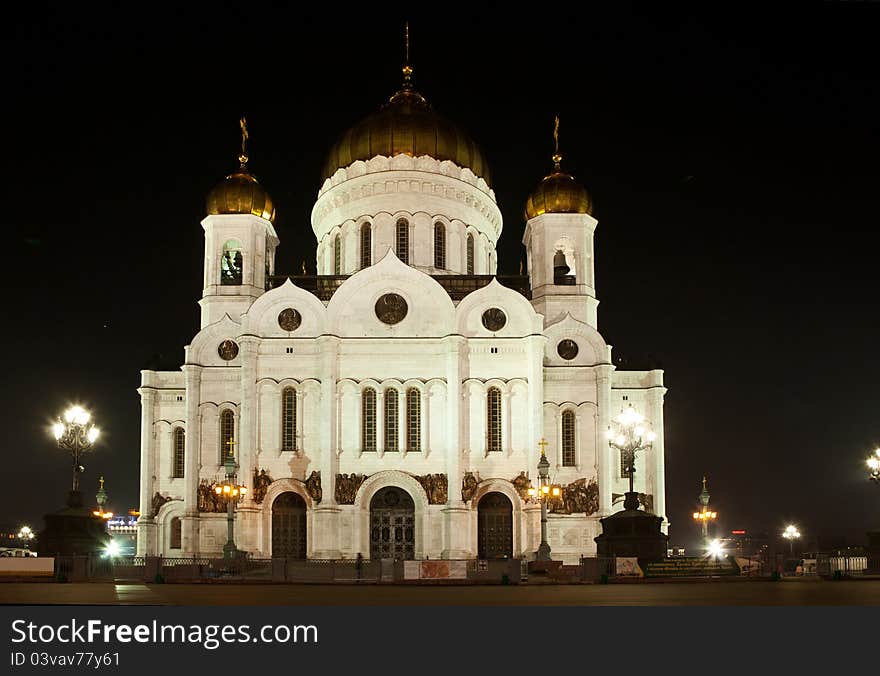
[
  {"x": 289, "y": 526},
  {"x": 392, "y": 525},
  {"x": 495, "y": 527}
]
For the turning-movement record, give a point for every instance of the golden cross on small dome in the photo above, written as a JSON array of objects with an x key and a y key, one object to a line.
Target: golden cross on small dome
[
  {"x": 231, "y": 444},
  {"x": 407, "y": 69},
  {"x": 543, "y": 445},
  {"x": 557, "y": 158},
  {"x": 243, "y": 158},
  {"x": 101, "y": 481}
]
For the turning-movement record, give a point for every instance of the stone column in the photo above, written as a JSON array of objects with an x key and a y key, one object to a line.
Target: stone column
[
  {"x": 655, "y": 417},
  {"x": 604, "y": 456},
  {"x": 146, "y": 541},
  {"x": 456, "y": 514},
  {"x": 247, "y": 512},
  {"x": 325, "y": 538},
  {"x": 536, "y": 400},
  {"x": 380, "y": 421},
  {"x": 192, "y": 450}
]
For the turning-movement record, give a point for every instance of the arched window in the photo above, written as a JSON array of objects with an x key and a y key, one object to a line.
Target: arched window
[
  {"x": 568, "y": 440},
  {"x": 391, "y": 420},
  {"x": 413, "y": 420},
  {"x": 227, "y": 435},
  {"x": 174, "y": 535},
  {"x": 231, "y": 264},
  {"x": 402, "y": 240},
  {"x": 337, "y": 255},
  {"x": 177, "y": 465},
  {"x": 288, "y": 419},
  {"x": 439, "y": 246},
  {"x": 470, "y": 254},
  {"x": 366, "y": 245},
  {"x": 493, "y": 420},
  {"x": 368, "y": 419}
]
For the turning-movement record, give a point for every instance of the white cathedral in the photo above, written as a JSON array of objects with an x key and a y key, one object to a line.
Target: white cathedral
[{"x": 396, "y": 403}]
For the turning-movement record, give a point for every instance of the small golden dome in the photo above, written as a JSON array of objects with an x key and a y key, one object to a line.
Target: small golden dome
[
  {"x": 241, "y": 193},
  {"x": 406, "y": 124},
  {"x": 558, "y": 193}
]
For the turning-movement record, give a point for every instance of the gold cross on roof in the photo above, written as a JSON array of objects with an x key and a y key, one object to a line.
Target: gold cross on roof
[{"x": 542, "y": 444}]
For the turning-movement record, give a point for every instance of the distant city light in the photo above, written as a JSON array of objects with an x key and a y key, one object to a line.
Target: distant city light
[
  {"x": 716, "y": 549},
  {"x": 112, "y": 549}
]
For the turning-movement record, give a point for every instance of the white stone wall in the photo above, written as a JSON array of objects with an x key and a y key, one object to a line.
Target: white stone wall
[{"x": 442, "y": 349}]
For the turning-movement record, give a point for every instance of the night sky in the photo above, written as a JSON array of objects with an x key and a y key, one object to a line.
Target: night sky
[{"x": 732, "y": 158}]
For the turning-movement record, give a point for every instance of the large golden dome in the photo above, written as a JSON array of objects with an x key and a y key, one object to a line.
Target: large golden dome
[
  {"x": 241, "y": 193},
  {"x": 406, "y": 124},
  {"x": 558, "y": 193}
]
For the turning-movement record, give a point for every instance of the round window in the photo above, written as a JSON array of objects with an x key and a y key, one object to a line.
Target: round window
[
  {"x": 289, "y": 319},
  {"x": 567, "y": 349},
  {"x": 494, "y": 319},
  {"x": 228, "y": 350},
  {"x": 391, "y": 308}
]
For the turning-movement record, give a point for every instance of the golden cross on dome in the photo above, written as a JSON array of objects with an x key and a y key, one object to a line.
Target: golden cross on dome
[
  {"x": 557, "y": 158},
  {"x": 407, "y": 69},
  {"x": 243, "y": 158},
  {"x": 542, "y": 444},
  {"x": 101, "y": 481},
  {"x": 231, "y": 444}
]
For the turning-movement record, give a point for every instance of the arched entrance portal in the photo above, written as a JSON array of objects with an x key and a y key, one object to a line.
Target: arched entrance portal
[
  {"x": 289, "y": 526},
  {"x": 495, "y": 527},
  {"x": 392, "y": 525}
]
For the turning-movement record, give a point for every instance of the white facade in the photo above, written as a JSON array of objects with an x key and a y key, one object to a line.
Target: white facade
[{"x": 441, "y": 350}]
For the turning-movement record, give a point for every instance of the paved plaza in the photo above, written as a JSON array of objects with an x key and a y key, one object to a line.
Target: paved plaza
[{"x": 793, "y": 592}]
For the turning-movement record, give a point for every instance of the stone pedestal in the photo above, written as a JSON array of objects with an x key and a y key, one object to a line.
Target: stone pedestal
[
  {"x": 73, "y": 530},
  {"x": 632, "y": 532}
]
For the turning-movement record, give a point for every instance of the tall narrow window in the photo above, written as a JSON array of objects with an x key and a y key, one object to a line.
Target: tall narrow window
[
  {"x": 493, "y": 420},
  {"x": 231, "y": 264},
  {"x": 179, "y": 450},
  {"x": 174, "y": 536},
  {"x": 391, "y": 420},
  {"x": 366, "y": 246},
  {"x": 439, "y": 246},
  {"x": 470, "y": 254},
  {"x": 413, "y": 420},
  {"x": 402, "y": 240},
  {"x": 368, "y": 420},
  {"x": 568, "y": 440},
  {"x": 227, "y": 435},
  {"x": 288, "y": 419},
  {"x": 337, "y": 255}
]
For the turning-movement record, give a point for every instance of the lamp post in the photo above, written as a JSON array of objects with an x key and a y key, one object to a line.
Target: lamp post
[
  {"x": 704, "y": 515},
  {"x": 874, "y": 466},
  {"x": 75, "y": 433},
  {"x": 25, "y": 535},
  {"x": 542, "y": 493},
  {"x": 230, "y": 491},
  {"x": 630, "y": 437},
  {"x": 791, "y": 533}
]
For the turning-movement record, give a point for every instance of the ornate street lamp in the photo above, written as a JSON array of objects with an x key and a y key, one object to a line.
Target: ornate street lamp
[
  {"x": 874, "y": 466},
  {"x": 544, "y": 492},
  {"x": 25, "y": 535},
  {"x": 705, "y": 515},
  {"x": 630, "y": 436},
  {"x": 230, "y": 491},
  {"x": 791, "y": 533},
  {"x": 75, "y": 434}
]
